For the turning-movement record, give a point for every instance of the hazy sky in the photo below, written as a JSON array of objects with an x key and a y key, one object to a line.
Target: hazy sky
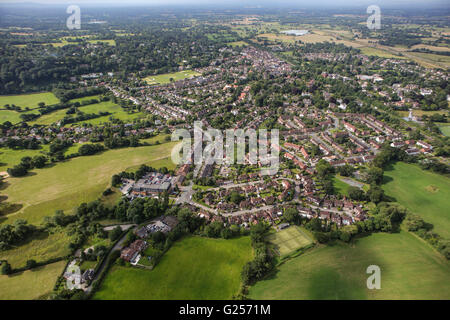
[{"x": 298, "y": 3}]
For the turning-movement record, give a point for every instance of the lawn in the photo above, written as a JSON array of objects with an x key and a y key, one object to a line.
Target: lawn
[
  {"x": 289, "y": 240},
  {"x": 423, "y": 192},
  {"x": 194, "y": 268},
  {"x": 29, "y": 100},
  {"x": 31, "y": 284},
  {"x": 165, "y": 78},
  {"x": 40, "y": 248},
  {"x": 410, "y": 269},
  {"x": 82, "y": 179}
]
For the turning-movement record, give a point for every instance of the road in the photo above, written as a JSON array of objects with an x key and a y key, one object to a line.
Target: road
[{"x": 117, "y": 246}]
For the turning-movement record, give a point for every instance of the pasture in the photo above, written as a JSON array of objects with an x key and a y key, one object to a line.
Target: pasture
[
  {"x": 31, "y": 284},
  {"x": 105, "y": 106},
  {"x": 423, "y": 192},
  {"x": 288, "y": 240},
  {"x": 67, "y": 184},
  {"x": 41, "y": 247},
  {"x": 165, "y": 78},
  {"x": 10, "y": 157},
  {"x": 194, "y": 268},
  {"x": 410, "y": 269},
  {"x": 29, "y": 100}
]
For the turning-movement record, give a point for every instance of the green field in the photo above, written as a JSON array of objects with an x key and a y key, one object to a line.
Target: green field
[
  {"x": 422, "y": 192},
  {"x": 289, "y": 240},
  {"x": 10, "y": 157},
  {"x": 445, "y": 129},
  {"x": 165, "y": 78},
  {"x": 41, "y": 248},
  {"x": 67, "y": 184},
  {"x": 29, "y": 100},
  {"x": 194, "y": 268},
  {"x": 31, "y": 284},
  {"x": 106, "y": 106},
  {"x": 341, "y": 187},
  {"x": 410, "y": 269}
]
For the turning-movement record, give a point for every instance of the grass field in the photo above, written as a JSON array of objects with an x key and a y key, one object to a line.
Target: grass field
[
  {"x": 445, "y": 129},
  {"x": 165, "y": 78},
  {"x": 29, "y": 100},
  {"x": 106, "y": 106},
  {"x": 194, "y": 268},
  {"x": 289, "y": 240},
  {"x": 41, "y": 248},
  {"x": 341, "y": 186},
  {"x": 422, "y": 192},
  {"x": 369, "y": 51},
  {"x": 31, "y": 284},
  {"x": 67, "y": 184},
  {"x": 410, "y": 269},
  {"x": 10, "y": 157}
]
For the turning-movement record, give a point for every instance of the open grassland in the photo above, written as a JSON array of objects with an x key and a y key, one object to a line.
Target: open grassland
[
  {"x": 410, "y": 269},
  {"x": 65, "y": 185},
  {"x": 165, "y": 78},
  {"x": 29, "y": 100},
  {"x": 13, "y": 116},
  {"x": 41, "y": 247},
  {"x": 10, "y": 157},
  {"x": 105, "y": 106},
  {"x": 369, "y": 51},
  {"x": 194, "y": 268},
  {"x": 289, "y": 240},
  {"x": 31, "y": 284},
  {"x": 423, "y": 192}
]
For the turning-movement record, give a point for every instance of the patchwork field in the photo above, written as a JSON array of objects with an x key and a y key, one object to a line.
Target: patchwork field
[
  {"x": 67, "y": 184},
  {"x": 423, "y": 192},
  {"x": 31, "y": 284},
  {"x": 289, "y": 240},
  {"x": 194, "y": 268},
  {"x": 165, "y": 78},
  {"x": 410, "y": 269}
]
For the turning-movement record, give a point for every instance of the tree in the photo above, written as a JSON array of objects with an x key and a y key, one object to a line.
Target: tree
[
  {"x": 375, "y": 175},
  {"x": 375, "y": 194},
  {"x": 115, "y": 233},
  {"x": 31, "y": 264},
  {"x": 6, "y": 268},
  {"x": 355, "y": 193},
  {"x": 291, "y": 215},
  {"x": 323, "y": 168}
]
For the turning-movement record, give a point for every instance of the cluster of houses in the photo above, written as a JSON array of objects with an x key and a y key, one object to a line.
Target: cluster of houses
[{"x": 132, "y": 252}]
